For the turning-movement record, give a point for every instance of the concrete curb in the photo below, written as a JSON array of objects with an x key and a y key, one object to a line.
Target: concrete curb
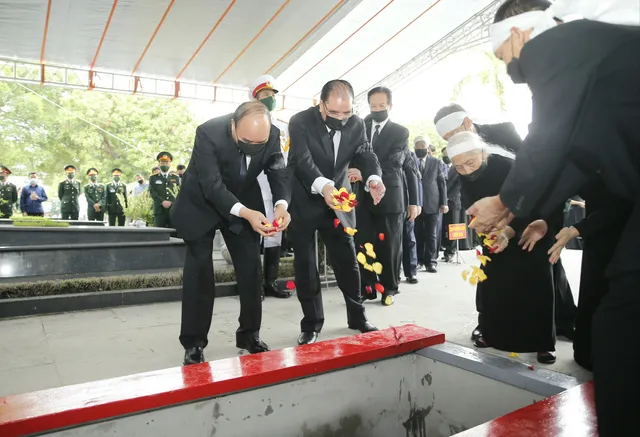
[{"x": 32, "y": 306}]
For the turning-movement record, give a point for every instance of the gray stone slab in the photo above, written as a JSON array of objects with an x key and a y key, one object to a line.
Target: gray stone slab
[
  {"x": 9, "y": 222},
  {"x": 509, "y": 371},
  {"x": 31, "y": 236}
]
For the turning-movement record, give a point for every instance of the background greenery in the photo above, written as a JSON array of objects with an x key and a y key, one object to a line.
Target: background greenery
[{"x": 36, "y": 135}]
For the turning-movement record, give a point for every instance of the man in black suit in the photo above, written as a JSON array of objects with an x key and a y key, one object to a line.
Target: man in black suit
[
  {"x": 389, "y": 141},
  {"x": 434, "y": 202},
  {"x": 455, "y": 206},
  {"x": 409, "y": 245},
  {"x": 324, "y": 140},
  {"x": 221, "y": 192}
]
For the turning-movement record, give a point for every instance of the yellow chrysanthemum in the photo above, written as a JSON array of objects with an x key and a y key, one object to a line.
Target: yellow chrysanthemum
[
  {"x": 377, "y": 267},
  {"x": 361, "y": 258}
]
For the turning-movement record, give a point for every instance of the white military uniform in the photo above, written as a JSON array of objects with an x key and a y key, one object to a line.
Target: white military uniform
[{"x": 267, "y": 196}]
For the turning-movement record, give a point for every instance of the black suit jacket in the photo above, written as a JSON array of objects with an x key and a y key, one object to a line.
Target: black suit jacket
[
  {"x": 434, "y": 186},
  {"x": 311, "y": 156},
  {"x": 213, "y": 183},
  {"x": 500, "y": 134},
  {"x": 392, "y": 150},
  {"x": 453, "y": 189}
]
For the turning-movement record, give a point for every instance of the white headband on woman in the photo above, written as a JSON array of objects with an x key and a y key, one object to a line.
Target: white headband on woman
[
  {"x": 450, "y": 122},
  {"x": 466, "y": 141},
  {"x": 625, "y": 12}
]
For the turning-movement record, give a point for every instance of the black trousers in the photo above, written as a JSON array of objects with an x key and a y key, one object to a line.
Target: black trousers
[
  {"x": 409, "y": 252},
  {"x": 199, "y": 289},
  {"x": 341, "y": 254},
  {"x": 162, "y": 219},
  {"x": 112, "y": 219},
  {"x": 427, "y": 239},
  {"x": 70, "y": 215},
  {"x": 450, "y": 218},
  {"x": 94, "y": 216},
  {"x": 566, "y": 309}
]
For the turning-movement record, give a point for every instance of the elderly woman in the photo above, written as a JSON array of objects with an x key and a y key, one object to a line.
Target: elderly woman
[{"x": 518, "y": 294}]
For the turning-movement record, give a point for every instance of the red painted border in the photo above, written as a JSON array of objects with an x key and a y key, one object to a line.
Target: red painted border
[
  {"x": 56, "y": 408},
  {"x": 570, "y": 413}
]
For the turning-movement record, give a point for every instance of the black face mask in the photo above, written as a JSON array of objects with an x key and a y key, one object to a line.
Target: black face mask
[
  {"x": 514, "y": 71},
  {"x": 380, "y": 116},
  {"x": 140, "y": 181},
  {"x": 476, "y": 174},
  {"x": 446, "y": 160},
  {"x": 422, "y": 153},
  {"x": 334, "y": 123},
  {"x": 251, "y": 149}
]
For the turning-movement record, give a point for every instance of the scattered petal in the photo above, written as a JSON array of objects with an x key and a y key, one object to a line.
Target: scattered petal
[
  {"x": 368, "y": 247},
  {"x": 379, "y": 288},
  {"x": 291, "y": 285},
  {"x": 465, "y": 274},
  {"x": 483, "y": 259},
  {"x": 368, "y": 267},
  {"x": 514, "y": 355},
  {"x": 530, "y": 366},
  {"x": 377, "y": 267},
  {"x": 350, "y": 231},
  {"x": 336, "y": 223},
  {"x": 478, "y": 252},
  {"x": 368, "y": 289},
  {"x": 381, "y": 236},
  {"x": 473, "y": 280},
  {"x": 388, "y": 300},
  {"x": 362, "y": 259}
]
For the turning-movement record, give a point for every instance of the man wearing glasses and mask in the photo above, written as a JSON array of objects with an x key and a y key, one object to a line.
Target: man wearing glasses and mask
[
  {"x": 222, "y": 193},
  {"x": 324, "y": 140}
]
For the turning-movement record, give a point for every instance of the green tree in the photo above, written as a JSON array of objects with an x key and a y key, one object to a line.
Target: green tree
[
  {"x": 427, "y": 129},
  {"x": 491, "y": 76},
  {"x": 35, "y": 134}
]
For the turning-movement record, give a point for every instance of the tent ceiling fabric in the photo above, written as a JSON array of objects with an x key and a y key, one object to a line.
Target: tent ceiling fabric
[
  {"x": 302, "y": 43},
  {"x": 75, "y": 29}
]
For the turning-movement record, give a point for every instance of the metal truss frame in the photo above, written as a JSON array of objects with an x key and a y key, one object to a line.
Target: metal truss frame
[
  {"x": 26, "y": 72},
  {"x": 471, "y": 33}
]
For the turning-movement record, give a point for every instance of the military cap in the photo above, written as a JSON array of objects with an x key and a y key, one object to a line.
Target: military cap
[
  {"x": 70, "y": 168},
  {"x": 5, "y": 169},
  {"x": 92, "y": 171},
  {"x": 164, "y": 156},
  {"x": 116, "y": 170},
  {"x": 264, "y": 82}
]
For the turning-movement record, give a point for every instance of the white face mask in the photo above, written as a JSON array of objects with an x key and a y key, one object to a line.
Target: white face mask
[{"x": 33, "y": 182}]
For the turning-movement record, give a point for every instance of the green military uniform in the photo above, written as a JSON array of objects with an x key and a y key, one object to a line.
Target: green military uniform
[
  {"x": 8, "y": 194},
  {"x": 162, "y": 187},
  {"x": 95, "y": 193},
  {"x": 114, "y": 207},
  {"x": 69, "y": 192}
]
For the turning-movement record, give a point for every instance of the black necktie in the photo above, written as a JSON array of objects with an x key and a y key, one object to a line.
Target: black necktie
[
  {"x": 332, "y": 133},
  {"x": 375, "y": 135},
  {"x": 421, "y": 166},
  {"x": 243, "y": 168}
]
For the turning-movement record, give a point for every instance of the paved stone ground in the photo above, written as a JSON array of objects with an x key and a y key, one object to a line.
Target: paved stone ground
[{"x": 63, "y": 349}]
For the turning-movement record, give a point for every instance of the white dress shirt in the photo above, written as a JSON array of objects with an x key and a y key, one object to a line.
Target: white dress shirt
[
  {"x": 321, "y": 182},
  {"x": 382, "y": 124},
  {"x": 235, "y": 209}
]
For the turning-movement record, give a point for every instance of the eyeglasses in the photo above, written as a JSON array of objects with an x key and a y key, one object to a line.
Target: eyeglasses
[{"x": 337, "y": 113}]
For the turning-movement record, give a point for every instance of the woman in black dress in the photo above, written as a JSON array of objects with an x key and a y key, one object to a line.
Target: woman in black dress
[{"x": 517, "y": 308}]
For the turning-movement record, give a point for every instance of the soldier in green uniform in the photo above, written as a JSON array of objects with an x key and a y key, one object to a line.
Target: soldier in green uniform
[
  {"x": 162, "y": 187},
  {"x": 114, "y": 207},
  {"x": 96, "y": 195},
  {"x": 8, "y": 193},
  {"x": 69, "y": 191}
]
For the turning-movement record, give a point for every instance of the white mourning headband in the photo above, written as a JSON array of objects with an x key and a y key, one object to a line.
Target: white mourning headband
[
  {"x": 450, "y": 122},
  {"x": 464, "y": 142}
]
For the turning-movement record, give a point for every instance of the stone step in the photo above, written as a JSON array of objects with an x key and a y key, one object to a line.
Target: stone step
[{"x": 13, "y": 236}]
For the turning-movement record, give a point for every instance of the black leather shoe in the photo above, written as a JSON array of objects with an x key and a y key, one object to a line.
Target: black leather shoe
[
  {"x": 431, "y": 269},
  {"x": 481, "y": 343},
  {"x": 273, "y": 291},
  {"x": 251, "y": 343},
  {"x": 308, "y": 337},
  {"x": 412, "y": 280},
  {"x": 193, "y": 355},
  {"x": 476, "y": 333},
  {"x": 365, "y": 327},
  {"x": 447, "y": 258},
  {"x": 546, "y": 357}
]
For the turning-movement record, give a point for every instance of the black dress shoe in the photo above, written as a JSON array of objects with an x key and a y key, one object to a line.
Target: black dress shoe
[
  {"x": 412, "y": 280},
  {"x": 308, "y": 337},
  {"x": 476, "y": 333},
  {"x": 251, "y": 343},
  {"x": 193, "y": 355},
  {"x": 365, "y": 327},
  {"x": 481, "y": 343},
  {"x": 431, "y": 269},
  {"x": 546, "y": 357},
  {"x": 273, "y": 291}
]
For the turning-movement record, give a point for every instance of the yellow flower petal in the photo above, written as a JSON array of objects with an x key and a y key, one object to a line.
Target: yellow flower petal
[
  {"x": 368, "y": 267},
  {"x": 335, "y": 201},
  {"x": 346, "y": 208},
  {"x": 368, "y": 247},
  {"x": 350, "y": 231},
  {"x": 361, "y": 258},
  {"x": 483, "y": 259},
  {"x": 514, "y": 355},
  {"x": 352, "y": 196},
  {"x": 342, "y": 190},
  {"x": 377, "y": 267},
  {"x": 473, "y": 280},
  {"x": 465, "y": 274}
]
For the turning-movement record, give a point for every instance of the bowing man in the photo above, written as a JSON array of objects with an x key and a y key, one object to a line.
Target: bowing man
[
  {"x": 583, "y": 77},
  {"x": 324, "y": 140},
  {"x": 221, "y": 191}
]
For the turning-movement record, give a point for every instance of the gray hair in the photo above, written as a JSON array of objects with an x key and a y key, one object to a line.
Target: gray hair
[{"x": 250, "y": 108}]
